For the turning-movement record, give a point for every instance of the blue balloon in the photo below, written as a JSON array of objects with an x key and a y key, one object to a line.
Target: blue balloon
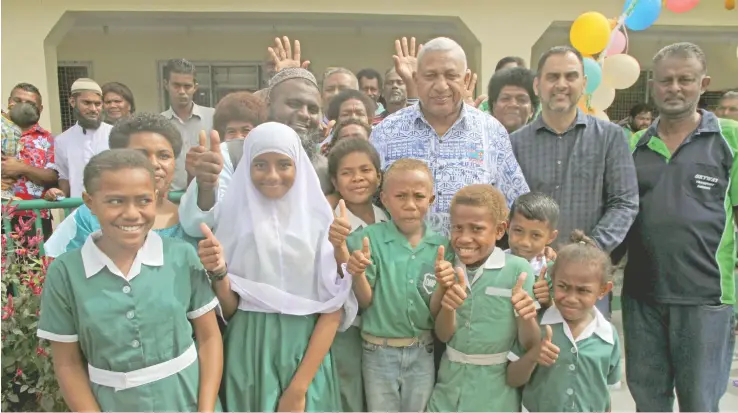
[
  {"x": 593, "y": 71},
  {"x": 644, "y": 14}
]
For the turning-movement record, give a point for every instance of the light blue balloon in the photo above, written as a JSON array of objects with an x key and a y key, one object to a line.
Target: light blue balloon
[
  {"x": 593, "y": 71},
  {"x": 644, "y": 15}
]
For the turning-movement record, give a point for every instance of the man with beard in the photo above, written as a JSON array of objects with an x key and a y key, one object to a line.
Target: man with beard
[
  {"x": 639, "y": 118},
  {"x": 394, "y": 92},
  {"x": 580, "y": 161},
  {"x": 32, "y": 168},
  {"x": 293, "y": 98},
  {"x": 88, "y": 137}
]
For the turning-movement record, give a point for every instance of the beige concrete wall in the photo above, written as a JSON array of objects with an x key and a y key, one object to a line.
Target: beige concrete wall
[{"x": 502, "y": 27}]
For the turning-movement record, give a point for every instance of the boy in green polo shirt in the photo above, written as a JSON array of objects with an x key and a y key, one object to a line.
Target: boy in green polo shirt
[
  {"x": 393, "y": 268},
  {"x": 577, "y": 359},
  {"x": 484, "y": 311}
]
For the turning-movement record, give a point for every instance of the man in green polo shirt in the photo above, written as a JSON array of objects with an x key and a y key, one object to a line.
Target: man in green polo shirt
[{"x": 678, "y": 291}]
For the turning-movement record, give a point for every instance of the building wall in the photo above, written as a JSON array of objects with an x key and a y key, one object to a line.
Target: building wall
[{"x": 32, "y": 30}]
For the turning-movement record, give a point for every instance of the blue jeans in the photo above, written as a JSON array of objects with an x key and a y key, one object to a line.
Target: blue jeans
[
  {"x": 398, "y": 379},
  {"x": 689, "y": 347}
]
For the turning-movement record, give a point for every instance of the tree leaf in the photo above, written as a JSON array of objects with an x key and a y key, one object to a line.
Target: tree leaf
[
  {"x": 24, "y": 388},
  {"x": 13, "y": 397},
  {"x": 31, "y": 390}
]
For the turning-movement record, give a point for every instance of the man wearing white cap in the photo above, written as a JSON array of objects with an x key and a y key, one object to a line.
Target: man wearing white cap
[{"x": 88, "y": 137}]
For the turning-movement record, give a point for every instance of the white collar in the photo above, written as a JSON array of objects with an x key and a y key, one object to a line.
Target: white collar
[
  {"x": 94, "y": 260},
  {"x": 358, "y": 223},
  {"x": 599, "y": 326},
  {"x": 495, "y": 261}
]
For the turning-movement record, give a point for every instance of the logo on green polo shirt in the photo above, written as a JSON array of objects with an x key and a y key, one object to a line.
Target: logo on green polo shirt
[{"x": 429, "y": 283}]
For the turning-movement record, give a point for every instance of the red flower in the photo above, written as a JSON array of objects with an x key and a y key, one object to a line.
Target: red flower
[
  {"x": 8, "y": 310},
  {"x": 18, "y": 373},
  {"x": 41, "y": 352},
  {"x": 36, "y": 289}
]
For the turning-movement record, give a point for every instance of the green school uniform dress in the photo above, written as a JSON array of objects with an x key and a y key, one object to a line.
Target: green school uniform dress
[
  {"x": 402, "y": 279},
  {"x": 252, "y": 385},
  {"x": 472, "y": 376},
  {"x": 346, "y": 348},
  {"x": 126, "y": 324},
  {"x": 587, "y": 367}
]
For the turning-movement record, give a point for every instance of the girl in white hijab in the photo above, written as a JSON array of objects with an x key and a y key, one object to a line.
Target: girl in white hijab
[{"x": 277, "y": 281}]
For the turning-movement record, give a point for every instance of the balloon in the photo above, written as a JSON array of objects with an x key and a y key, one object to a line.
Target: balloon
[
  {"x": 620, "y": 71},
  {"x": 601, "y": 115},
  {"x": 590, "y": 33},
  {"x": 593, "y": 71},
  {"x": 644, "y": 14},
  {"x": 613, "y": 23},
  {"x": 603, "y": 97},
  {"x": 582, "y": 104},
  {"x": 618, "y": 43},
  {"x": 681, "y": 6}
]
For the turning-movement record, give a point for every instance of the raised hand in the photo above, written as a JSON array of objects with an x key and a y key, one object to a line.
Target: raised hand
[
  {"x": 406, "y": 58},
  {"x": 445, "y": 274},
  {"x": 456, "y": 294},
  {"x": 209, "y": 162},
  {"x": 541, "y": 290},
  {"x": 340, "y": 228},
  {"x": 285, "y": 56},
  {"x": 326, "y": 128},
  {"x": 548, "y": 352},
  {"x": 360, "y": 259},
  {"x": 210, "y": 251},
  {"x": 521, "y": 301},
  {"x": 54, "y": 194},
  {"x": 469, "y": 86}
]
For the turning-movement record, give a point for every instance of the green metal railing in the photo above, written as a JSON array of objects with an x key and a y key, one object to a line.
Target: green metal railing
[{"x": 37, "y": 205}]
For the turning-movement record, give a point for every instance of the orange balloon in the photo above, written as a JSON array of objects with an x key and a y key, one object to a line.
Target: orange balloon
[
  {"x": 582, "y": 104},
  {"x": 730, "y": 4},
  {"x": 614, "y": 22}
]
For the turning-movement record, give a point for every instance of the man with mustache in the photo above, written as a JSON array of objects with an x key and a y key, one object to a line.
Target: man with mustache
[
  {"x": 88, "y": 137},
  {"x": 395, "y": 94},
  {"x": 31, "y": 170},
  {"x": 293, "y": 98},
  {"x": 580, "y": 161}
]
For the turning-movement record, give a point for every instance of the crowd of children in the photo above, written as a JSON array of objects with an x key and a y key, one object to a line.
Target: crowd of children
[{"x": 328, "y": 307}]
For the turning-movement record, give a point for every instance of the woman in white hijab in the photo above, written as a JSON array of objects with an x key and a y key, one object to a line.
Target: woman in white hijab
[{"x": 282, "y": 294}]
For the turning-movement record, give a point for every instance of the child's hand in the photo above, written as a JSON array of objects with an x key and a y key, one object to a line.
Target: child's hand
[
  {"x": 548, "y": 352},
  {"x": 541, "y": 290},
  {"x": 340, "y": 228},
  {"x": 521, "y": 301},
  {"x": 210, "y": 251},
  {"x": 445, "y": 274},
  {"x": 54, "y": 194},
  {"x": 549, "y": 254},
  {"x": 456, "y": 294},
  {"x": 360, "y": 260}
]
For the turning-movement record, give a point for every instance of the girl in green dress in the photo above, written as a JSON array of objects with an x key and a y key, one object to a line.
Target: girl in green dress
[
  {"x": 280, "y": 290},
  {"x": 120, "y": 311}
]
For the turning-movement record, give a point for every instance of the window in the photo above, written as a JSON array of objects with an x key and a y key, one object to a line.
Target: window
[
  {"x": 217, "y": 79},
  {"x": 67, "y": 73},
  {"x": 625, "y": 99}
]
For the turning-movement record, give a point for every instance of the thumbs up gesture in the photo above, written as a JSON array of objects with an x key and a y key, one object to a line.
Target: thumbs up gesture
[
  {"x": 541, "y": 290},
  {"x": 521, "y": 301},
  {"x": 445, "y": 274},
  {"x": 340, "y": 228},
  {"x": 208, "y": 161},
  {"x": 360, "y": 259},
  {"x": 548, "y": 352},
  {"x": 210, "y": 252},
  {"x": 456, "y": 294}
]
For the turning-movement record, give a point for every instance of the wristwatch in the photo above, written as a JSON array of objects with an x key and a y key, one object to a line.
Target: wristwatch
[{"x": 213, "y": 276}]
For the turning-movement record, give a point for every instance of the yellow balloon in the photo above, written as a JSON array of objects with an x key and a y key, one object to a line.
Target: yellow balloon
[
  {"x": 590, "y": 33},
  {"x": 620, "y": 71},
  {"x": 601, "y": 115},
  {"x": 602, "y": 97}
]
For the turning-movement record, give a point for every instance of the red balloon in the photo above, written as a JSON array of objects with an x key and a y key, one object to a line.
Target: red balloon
[{"x": 681, "y": 6}]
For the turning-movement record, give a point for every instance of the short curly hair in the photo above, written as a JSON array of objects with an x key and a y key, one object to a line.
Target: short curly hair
[
  {"x": 239, "y": 106},
  {"x": 120, "y": 135},
  {"x": 334, "y": 109},
  {"x": 482, "y": 195}
]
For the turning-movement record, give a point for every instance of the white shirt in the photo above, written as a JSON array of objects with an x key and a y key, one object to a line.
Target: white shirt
[
  {"x": 201, "y": 119},
  {"x": 74, "y": 148},
  {"x": 358, "y": 223}
]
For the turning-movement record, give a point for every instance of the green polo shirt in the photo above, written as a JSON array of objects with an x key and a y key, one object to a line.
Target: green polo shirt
[
  {"x": 587, "y": 368},
  {"x": 681, "y": 247},
  {"x": 402, "y": 280}
]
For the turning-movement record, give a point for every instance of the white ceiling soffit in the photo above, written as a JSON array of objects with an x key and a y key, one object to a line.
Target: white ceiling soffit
[
  {"x": 666, "y": 33},
  {"x": 107, "y": 22}
]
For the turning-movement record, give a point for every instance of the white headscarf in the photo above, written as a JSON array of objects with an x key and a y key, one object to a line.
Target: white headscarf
[{"x": 278, "y": 254}]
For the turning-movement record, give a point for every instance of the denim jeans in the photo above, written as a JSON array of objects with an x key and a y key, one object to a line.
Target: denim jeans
[
  {"x": 398, "y": 379},
  {"x": 689, "y": 347}
]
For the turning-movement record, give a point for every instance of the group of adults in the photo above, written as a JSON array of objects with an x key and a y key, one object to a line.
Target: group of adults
[{"x": 664, "y": 193}]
